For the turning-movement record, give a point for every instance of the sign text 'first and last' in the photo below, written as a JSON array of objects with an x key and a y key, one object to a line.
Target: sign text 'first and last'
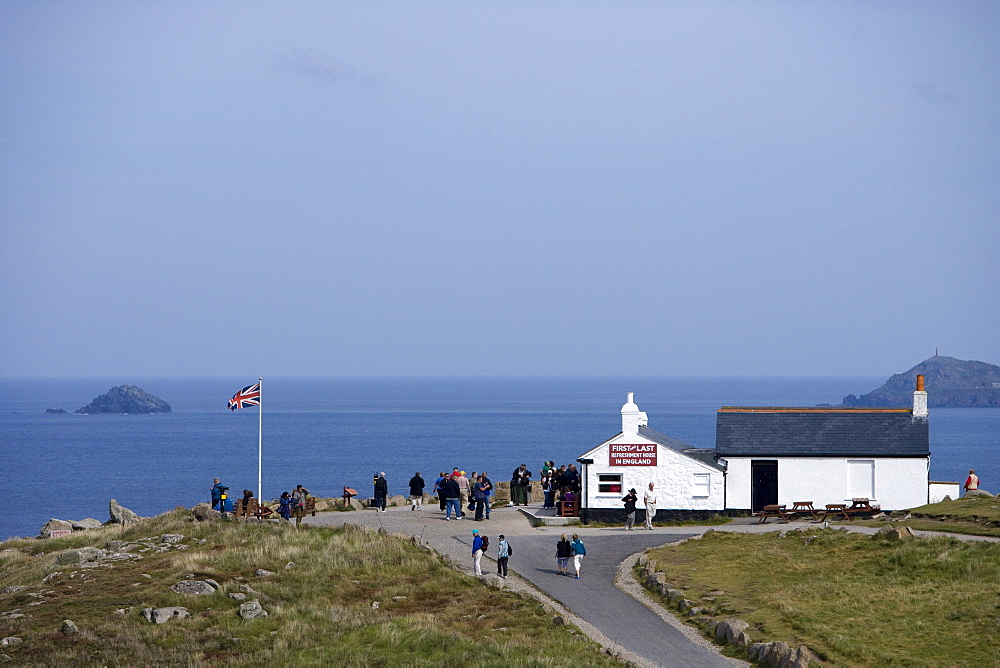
[{"x": 632, "y": 454}]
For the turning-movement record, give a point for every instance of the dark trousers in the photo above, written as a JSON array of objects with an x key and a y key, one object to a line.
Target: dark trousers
[
  {"x": 442, "y": 500},
  {"x": 480, "y": 508},
  {"x": 502, "y": 566},
  {"x": 380, "y": 502}
]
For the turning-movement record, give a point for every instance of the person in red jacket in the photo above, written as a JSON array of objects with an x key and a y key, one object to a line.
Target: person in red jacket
[{"x": 972, "y": 482}]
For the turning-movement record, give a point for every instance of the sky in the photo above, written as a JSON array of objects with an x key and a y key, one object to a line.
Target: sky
[{"x": 480, "y": 189}]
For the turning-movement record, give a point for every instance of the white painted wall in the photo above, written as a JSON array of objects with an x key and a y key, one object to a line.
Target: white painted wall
[
  {"x": 673, "y": 478},
  {"x": 899, "y": 482},
  {"x": 938, "y": 490}
]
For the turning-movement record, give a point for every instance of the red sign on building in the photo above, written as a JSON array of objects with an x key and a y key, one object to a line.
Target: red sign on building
[{"x": 626, "y": 454}]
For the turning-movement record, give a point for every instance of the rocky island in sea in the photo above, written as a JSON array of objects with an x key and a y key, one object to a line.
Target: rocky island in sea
[
  {"x": 950, "y": 382},
  {"x": 125, "y": 399}
]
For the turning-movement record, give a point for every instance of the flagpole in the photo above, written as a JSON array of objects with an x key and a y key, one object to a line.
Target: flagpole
[{"x": 260, "y": 439}]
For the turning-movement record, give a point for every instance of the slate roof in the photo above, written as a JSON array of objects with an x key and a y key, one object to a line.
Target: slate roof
[
  {"x": 820, "y": 432},
  {"x": 703, "y": 456}
]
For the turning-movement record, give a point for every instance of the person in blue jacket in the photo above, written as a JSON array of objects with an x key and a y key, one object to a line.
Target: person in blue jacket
[
  {"x": 217, "y": 489},
  {"x": 579, "y": 552},
  {"x": 285, "y": 506},
  {"x": 477, "y": 552}
]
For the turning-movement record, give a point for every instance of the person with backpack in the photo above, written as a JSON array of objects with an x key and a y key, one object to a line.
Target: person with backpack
[
  {"x": 579, "y": 552},
  {"x": 504, "y": 551},
  {"x": 479, "y": 545},
  {"x": 562, "y": 555}
]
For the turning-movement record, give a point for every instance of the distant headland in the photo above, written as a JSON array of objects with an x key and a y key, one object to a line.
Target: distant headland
[
  {"x": 125, "y": 399},
  {"x": 950, "y": 382}
]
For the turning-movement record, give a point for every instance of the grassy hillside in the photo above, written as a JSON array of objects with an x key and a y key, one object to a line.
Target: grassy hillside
[
  {"x": 854, "y": 600},
  {"x": 350, "y": 597}
]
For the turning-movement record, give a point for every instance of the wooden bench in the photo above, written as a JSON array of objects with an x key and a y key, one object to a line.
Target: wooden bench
[
  {"x": 773, "y": 510},
  {"x": 251, "y": 508},
  {"x": 861, "y": 507},
  {"x": 567, "y": 508},
  {"x": 836, "y": 509}
]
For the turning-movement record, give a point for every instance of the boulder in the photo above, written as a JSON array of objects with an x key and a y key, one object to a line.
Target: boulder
[
  {"x": 160, "y": 615},
  {"x": 84, "y": 524},
  {"x": 263, "y": 572},
  {"x": 894, "y": 533},
  {"x": 120, "y": 514},
  {"x": 54, "y": 525},
  {"x": 398, "y": 500},
  {"x": 252, "y": 610},
  {"x": 192, "y": 587},
  {"x": 10, "y": 641},
  {"x": 238, "y": 596},
  {"x": 171, "y": 538},
  {"x": 982, "y": 493},
  {"x": 79, "y": 556},
  {"x": 204, "y": 512},
  {"x": 730, "y": 630},
  {"x": 69, "y": 628}
]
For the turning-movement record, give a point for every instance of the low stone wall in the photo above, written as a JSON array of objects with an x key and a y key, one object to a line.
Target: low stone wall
[
  {"x": 617, "y": 515},
  {"x": 710, "y": 612}
]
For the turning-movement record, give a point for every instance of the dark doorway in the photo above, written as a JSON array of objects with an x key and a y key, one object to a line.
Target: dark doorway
[{"x": 763, "y": 483}]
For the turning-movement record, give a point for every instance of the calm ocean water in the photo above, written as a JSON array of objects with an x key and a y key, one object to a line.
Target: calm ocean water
[{"x": 327, "y": 433}]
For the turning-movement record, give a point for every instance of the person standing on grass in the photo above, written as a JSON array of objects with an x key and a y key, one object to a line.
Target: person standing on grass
[
  {"x": 563, "y": 552},
  {"x": 299, "y": 496},
  {"x": 579, "y": 552},
  {"x": 217, "y": 491},
  {"x": 972, "y": 482},
  {"x": 504, "y": 550},
  {"x": 649, "y": 498},
  {"x": 381, "y": 491},
  {"x": 416, "y": 491},
  {"x": 477, "y": 552},
  {"x": 438, "y": 489},
  {"x": 630, "y": 500},
  {"x": 451, "y": 496}
]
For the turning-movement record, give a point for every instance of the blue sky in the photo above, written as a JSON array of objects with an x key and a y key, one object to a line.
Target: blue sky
[{"x": 448, "y": 188}]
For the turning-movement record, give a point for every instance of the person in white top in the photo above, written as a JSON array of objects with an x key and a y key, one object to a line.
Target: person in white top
[{"x": 649, "y": 498}]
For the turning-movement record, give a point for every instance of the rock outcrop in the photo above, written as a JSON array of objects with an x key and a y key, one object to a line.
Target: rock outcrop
[
  {"x": 125, "y": 399},
  {"x": 120, "y": 514},
  {"x": 950, "y": 383}
]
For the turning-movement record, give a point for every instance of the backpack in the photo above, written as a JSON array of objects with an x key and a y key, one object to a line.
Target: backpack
[{"x": 486, "y": 542}]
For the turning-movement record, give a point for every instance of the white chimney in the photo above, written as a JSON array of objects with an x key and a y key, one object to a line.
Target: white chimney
[
  {"x": 631, "y": 417},
  {"x": 919, "y": 399}
]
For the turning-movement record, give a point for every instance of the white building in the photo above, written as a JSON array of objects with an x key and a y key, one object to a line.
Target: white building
[
  {"x": 689, "y": 482},
  {"x": 763, "y": 456},
  {"x": 825, "y": 455}
]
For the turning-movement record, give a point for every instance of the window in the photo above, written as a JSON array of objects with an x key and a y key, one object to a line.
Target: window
[
  {"x": 609, "y": 483},
  {"x": 860, "y": 478},
  {"x": 701, "y": 484}
]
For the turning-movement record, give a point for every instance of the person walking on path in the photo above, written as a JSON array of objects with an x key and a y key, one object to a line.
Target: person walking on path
[
  {"x": 451, "y": 496},
  {"x": 579, "y": 552},
  {"x": 563, "y": 552},
  {"x": 971, "y": 483},
  {"x": 416, "y": 491},
  {"x": 477, "y": 552},
  {"x": 630, "y": 500},
  {"x": 649, "y": 498},
  {"x": 381, "y": 491},
  {"x": 299, "y": 496},
  {"x": 218, "y": 491},
  {"x": 504, "y": 550}
]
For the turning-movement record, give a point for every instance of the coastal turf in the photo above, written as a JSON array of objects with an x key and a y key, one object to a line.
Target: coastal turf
[{"x": 351, "y": 597}]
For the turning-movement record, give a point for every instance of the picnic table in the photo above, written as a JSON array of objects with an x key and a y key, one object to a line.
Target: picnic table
[
  {"x": 862, "y": 507},
  {"x": 804, "y": 508},
  {"x": 773, "y": 510},
  {"x": 836, "y": 509}
]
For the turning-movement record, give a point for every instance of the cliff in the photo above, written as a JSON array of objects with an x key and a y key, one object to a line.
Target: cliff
[
  {"x": 126, "y": 399},
  {"x": 949, "y": 382}
]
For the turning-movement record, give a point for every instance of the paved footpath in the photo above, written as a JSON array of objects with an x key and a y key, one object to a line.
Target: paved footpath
[{"x": 597, "y": 606}]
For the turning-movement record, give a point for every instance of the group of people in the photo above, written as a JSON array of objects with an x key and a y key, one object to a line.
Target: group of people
[
  {"x": 457, "y": 493},
  {"x": 289, "y": 503},
  {"x": 648, "y": 499},
  {"x": 558, "y": 484},
  {"x": 480, "y": 544}
]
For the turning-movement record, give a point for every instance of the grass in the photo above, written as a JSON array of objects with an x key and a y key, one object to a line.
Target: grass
[
  {"x": 320, "y": 609},
  {"x": 854, "y": 600},
  {"x": 976, "y": 516}
]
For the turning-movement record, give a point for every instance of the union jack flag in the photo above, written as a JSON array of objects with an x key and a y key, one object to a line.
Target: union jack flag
[{"x": 248, "y": 396}]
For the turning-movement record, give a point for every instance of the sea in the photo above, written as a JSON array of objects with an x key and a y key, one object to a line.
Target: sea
[{"x": 328, "y": 433}]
